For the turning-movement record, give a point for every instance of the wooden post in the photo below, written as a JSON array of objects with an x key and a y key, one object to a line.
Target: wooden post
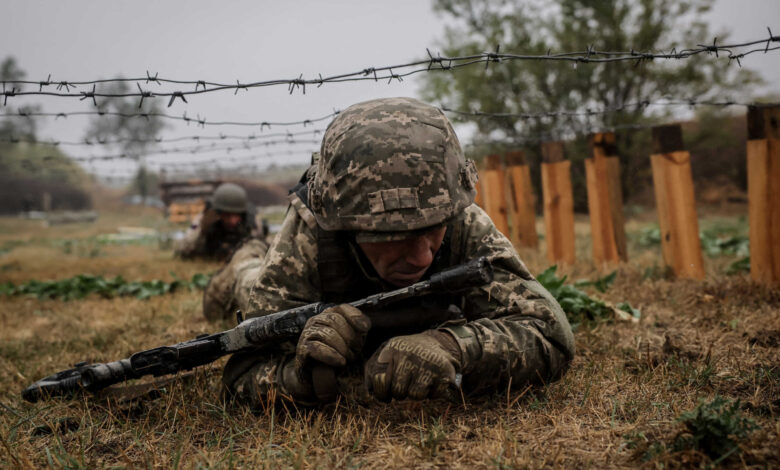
[
  {"x": 478, "y": 200},
  {"x": 558, "y": 204},
  {"x": 763, "y": 165},
  {"x": 676, "y": 204},
  {"x": 605, "y": 201},
  {"x": 495, "y": 193},
  {"x": 522, "y": 198}
]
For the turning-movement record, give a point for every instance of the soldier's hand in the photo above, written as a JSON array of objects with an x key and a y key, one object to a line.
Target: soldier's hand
[
  {"x": 334, "y": 337},
  {"x": 416, "y": 366}
]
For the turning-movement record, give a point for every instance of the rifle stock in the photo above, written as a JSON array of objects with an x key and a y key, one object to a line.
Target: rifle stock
[{"x": 204, "y": 349}]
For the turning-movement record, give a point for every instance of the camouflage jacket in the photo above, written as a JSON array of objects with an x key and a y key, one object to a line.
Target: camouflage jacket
[
  {"x": 514, "y": 332},
  {"x": 210, "y": 240}
]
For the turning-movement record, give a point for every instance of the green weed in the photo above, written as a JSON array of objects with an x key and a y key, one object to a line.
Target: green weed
[
  {"x": 741, "y": 265},
  {"x": 718, "y": 240},
  {"x": 83, "y": 285},
  {"x": 8, "y": 246},
  {"x": 601, "y": 284},
  {"x": 714, "y": 428},
  {"x": 579, "y": 306},
  {"x": 432, "y": 437}
]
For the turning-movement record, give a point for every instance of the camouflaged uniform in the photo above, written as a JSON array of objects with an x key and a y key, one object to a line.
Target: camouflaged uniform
[
  {"x": 231, "y": 285},
  {"x": 210, "y": 240},
  {"x": 513, "y": 329},
  {"x": 510, "y": 331}
]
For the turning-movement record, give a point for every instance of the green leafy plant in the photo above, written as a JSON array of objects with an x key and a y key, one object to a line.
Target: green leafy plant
[
  {"x": 626, "y": 307},
  {"x": 8, "y": 246},
  {"x": 715, "y": 244},
  {"x": 578, "y": 305},
  {"x": 741, "y": 265},
  {"x": 601, "y": 284},
  {"x": 649, "y": 236},
  {"x": 716, "y": 241},
  {"x": 714, "y": 428},
  {"x": 432, "y": 437},
  {"x": 83, "y": 285}
]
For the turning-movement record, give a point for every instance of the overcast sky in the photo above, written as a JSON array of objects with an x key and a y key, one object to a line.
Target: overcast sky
[{"x": 254, "y": 40}]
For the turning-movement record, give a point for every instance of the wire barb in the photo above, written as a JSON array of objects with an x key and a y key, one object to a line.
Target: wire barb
[
  {"x": 176, "y": 94},
  {"x": 7, "y": 93},
  {"x": 143, "y": 94},
  {"x": 492, "y": 57},
  {"x": 733, "y": 52},
  {"x": 42, "y": 84},
  {"x": 149, "y": 78},
  {"x": 89, "y": 94}
]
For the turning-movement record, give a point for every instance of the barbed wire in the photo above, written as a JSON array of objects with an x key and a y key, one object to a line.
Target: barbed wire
[
  {"x": 731, "y": 52},
  {"x": 539, "y": 138},
  {"x": 253, "y": 141},
  {"x": 197, "y": 138},
  {"x": 232, "y": 160},
  {"x": 174, "y": 169},
  {"x": 198, "y": 120},
  {"x": 586, "y": 112},
  {"x": 578, "y": 133},
  {"x": 214, "y": 147}
]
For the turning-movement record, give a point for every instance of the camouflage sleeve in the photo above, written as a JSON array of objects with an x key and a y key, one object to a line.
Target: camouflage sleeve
[
  {"x": 193, "y": 244},
  {"x": 288, "y": 277},
  {"x": 516, "y": 332}
]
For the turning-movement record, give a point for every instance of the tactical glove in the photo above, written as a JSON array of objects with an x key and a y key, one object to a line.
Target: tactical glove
[
  {"x": 334, "y": 337},
  {"x": 328, "y": 340},
  {"x": 416, "y": 366}
]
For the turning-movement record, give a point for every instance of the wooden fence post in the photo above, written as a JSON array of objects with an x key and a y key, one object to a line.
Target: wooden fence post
[
  {"x": 675, "y": 202},
  {"x": 558, "y": 204},
  {"x": 763, "y": 165},
  {"x": 605, "y": 201},
  {"x": 495, "y": 193},
  {"x": 478, "y": 190},
  {"x": 522, "y": 197}
]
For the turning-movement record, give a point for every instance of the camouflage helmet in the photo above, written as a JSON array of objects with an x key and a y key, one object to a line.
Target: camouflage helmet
[
  {"x": 230, "y": 197},
  {"x": 388, "y": 168}
]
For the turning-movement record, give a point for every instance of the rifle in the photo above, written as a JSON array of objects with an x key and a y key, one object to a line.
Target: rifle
[{"x": 248, "y": 334}]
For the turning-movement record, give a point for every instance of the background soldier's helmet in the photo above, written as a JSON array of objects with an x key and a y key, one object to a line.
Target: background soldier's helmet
[
  {"x": 230, "y": 197},
  {"x": 390, "y": 165}
]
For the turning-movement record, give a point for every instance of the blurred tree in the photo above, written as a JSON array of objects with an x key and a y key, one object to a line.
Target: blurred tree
[
  {"x": 145, "y": 182},
  {"x": 137, "y": 133},
  {"x": 717, "y": 142},
  {"x": 17, "y": 127},
  {"x": 536, "y": 27},
  {"x": 29, "y": 172}
]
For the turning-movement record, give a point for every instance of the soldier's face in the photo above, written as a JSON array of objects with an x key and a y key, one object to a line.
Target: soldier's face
[
  {"x": 229, "y": 221},
  {"x": 403, "y": 262}
]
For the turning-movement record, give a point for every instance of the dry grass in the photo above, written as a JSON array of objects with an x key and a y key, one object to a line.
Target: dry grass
[{"x": 624, "y": 391}]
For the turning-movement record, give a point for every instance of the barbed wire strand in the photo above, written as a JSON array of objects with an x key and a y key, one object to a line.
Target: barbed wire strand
[
  {"x": 731, "y": 52},
  {"x": 198, "y": 120},
  {"x": 214, "y": 147},
  {"x": 197, "y": 138},
  {"x": 641, "y": 104}
]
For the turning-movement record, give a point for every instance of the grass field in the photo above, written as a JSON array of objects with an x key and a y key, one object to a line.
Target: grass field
[{"x": 618, "y": 407}]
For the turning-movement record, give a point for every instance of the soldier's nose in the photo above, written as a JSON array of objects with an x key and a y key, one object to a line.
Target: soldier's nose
[{"x": 418, "y": 252}]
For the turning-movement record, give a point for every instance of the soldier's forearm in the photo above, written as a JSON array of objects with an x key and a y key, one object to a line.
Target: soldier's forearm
[{"x": 515, "y": 350}]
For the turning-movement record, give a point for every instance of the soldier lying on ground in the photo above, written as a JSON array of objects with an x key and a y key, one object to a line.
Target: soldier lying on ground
[
  {"x": 390, "y": 202},
  {"x": 227, "y": 220}
]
